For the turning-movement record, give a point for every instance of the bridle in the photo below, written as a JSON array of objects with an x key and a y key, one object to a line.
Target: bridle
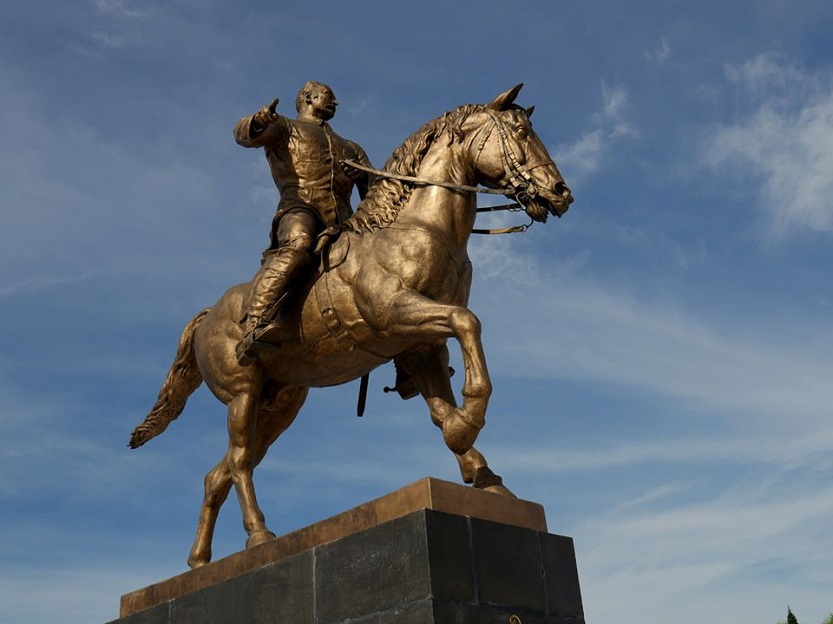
[
  {"x": 523, "y": 185},
  {"x": 522, "y": 189}
]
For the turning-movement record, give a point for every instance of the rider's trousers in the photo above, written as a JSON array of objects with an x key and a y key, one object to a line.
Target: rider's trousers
[{"x": 281, "y": 266}]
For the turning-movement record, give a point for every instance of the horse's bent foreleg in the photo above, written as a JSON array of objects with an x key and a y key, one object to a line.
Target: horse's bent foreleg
[
  {"x": 429, "y": 370},
  {"x": 476, "y": 471},
  {"x": 414, "y": 316}
]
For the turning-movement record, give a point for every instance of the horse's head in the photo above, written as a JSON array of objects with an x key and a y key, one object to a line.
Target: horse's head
[{"x": 508, "y": 154}]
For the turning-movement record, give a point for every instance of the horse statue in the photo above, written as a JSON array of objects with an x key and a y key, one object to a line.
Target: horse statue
[{"x": 393, "y": 285}]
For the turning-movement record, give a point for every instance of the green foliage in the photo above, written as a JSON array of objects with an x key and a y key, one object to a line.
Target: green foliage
[{"x": 791, "y": 619}]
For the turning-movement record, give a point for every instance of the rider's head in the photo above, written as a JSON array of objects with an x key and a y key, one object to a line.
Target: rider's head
[{"x": 316, "y": 100}]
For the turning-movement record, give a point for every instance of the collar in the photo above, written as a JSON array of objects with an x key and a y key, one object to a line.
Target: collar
[{"x": 315, "y": 120}]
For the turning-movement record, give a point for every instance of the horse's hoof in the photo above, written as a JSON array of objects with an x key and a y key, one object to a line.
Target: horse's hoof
[
  {"x": 260, "y": 537},
  {"x": 458, "y": 434},
  {"x": 500, "y": 489},
  {"x": 197, "y": 562},
  {"x": 198, "y": 557}
]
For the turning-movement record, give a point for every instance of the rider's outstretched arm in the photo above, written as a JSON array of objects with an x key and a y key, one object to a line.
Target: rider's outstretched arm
[{"x": 261, "y": 128}]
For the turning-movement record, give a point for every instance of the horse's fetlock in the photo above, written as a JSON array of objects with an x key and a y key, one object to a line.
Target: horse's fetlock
[{"x": 484, "y": 477}]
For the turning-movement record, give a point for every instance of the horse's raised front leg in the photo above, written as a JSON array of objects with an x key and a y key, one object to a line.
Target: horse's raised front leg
[
  {"x": 429, "y": 370},
  {"x": 421, "y": 319},
  {"x": 476, "y": 471}
]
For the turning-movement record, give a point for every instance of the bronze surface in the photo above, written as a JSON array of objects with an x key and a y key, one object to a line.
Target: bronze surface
[
  {"x": 394, "y": 285},
  {"x": 427, "y": 493}
]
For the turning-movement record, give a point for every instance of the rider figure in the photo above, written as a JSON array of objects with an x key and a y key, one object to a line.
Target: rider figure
[{"x": 304, "y": 156}]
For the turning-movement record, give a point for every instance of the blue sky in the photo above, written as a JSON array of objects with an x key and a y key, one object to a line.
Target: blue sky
[{"x": 661, "y": 356}]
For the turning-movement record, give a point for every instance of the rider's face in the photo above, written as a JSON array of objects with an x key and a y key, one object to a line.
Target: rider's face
[{"x": 323, "y": 103}]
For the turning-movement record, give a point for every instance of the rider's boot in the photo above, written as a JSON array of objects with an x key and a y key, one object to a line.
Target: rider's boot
[
  {"x": 405, "y": 385},
  {"x": 270, "y": 288}
]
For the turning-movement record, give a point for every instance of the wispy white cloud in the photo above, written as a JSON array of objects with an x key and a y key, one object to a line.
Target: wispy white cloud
[
  {"x": 615, "y": 105},
  {"x": 615, "y": 100},
  {"x": 112, "y": 23},
  {"x": 784, "y": 144},
  {"x": 111, "y": 41},
  {"x": 85, "y": 586},
  {"x": 728, "y": 547},
  {"x": 360, "y": 105},
  {"x": 40, "y": 282},
  {"x": 756, "y": 515},
  {"x": 769, "y": 77},
  {"x": 582, "y": 157},
  {"x": 55, "y": 195},
  {"x": 85, "y": 593},
  {"x": 761, "y": 447},
  {"x": 43, "y": 454},
  {"x": 660, "y": 54},
  {"x": 119, "y": 8},
  {"x": 601, "y": 332}
]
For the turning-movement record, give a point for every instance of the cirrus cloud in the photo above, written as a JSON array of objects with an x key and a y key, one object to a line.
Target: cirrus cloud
[{"x": 784, "y": 144}]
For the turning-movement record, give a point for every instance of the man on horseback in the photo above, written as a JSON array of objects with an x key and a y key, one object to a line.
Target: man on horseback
[{"x": 304, "y": 155}]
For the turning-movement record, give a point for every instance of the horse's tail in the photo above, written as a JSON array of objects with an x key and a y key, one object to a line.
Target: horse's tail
[{"x": 183, "y": 378}]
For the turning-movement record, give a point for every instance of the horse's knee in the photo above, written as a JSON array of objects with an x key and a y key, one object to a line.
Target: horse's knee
[{"x": 439, "y": 410}]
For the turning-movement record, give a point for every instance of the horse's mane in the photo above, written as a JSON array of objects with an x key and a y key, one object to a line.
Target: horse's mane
[{"x": 386, "y": 196}]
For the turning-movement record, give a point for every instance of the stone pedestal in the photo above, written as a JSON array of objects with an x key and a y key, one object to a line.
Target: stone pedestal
[{"x": 433, "y": 552}]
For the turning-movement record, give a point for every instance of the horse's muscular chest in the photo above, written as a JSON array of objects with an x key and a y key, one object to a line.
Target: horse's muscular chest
[{"x": 427, "y": 263}]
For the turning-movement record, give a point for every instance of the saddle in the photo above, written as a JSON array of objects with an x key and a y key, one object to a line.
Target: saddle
[{"x": 331, "y": 249}]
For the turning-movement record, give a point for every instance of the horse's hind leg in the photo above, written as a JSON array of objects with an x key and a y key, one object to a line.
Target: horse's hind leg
[
  {"x": 429, "y": 371},
  {"x": 271, "y": 423},
  {"x": 217, "y": 486},
  {"x": 242, "y": 418}
]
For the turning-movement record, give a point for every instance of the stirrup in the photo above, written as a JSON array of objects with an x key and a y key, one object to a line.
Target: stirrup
[{"x": 246, "y": 349}]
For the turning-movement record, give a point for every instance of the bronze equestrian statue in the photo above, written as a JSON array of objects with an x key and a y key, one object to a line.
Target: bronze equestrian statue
[{"x": 394, "y": 284}]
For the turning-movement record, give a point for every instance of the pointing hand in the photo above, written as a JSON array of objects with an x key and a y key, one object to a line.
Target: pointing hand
[{"x": 266, "y": 115}]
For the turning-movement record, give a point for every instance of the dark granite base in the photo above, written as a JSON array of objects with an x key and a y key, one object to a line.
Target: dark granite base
[{"x": 422, "y": 568}]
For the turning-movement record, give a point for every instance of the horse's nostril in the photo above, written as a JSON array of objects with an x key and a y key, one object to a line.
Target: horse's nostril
[{"x": 561, "y": 189}]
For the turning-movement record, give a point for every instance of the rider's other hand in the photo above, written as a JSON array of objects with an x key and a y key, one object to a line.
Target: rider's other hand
[{"x": 351, "y": 172}]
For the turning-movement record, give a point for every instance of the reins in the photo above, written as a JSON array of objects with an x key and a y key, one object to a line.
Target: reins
[
  {"x": 513, "y": 207},
  {"x": 448, "y": 185},
  {"x": 514, "y": 229}
]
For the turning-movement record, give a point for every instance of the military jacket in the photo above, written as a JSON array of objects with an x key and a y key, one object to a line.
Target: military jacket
[{"x": 304, "y": 157}]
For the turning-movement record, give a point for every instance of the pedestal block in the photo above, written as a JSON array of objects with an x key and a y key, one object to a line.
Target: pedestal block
[{"x": 423, "y": 566}]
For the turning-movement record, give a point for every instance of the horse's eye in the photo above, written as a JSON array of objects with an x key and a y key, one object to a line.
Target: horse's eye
[{"x": 522, "y": 133}]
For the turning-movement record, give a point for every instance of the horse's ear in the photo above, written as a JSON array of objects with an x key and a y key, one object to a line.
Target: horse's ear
[
  {"x": 505, "y": 99},
  {"x": 529, "y": 111}
]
